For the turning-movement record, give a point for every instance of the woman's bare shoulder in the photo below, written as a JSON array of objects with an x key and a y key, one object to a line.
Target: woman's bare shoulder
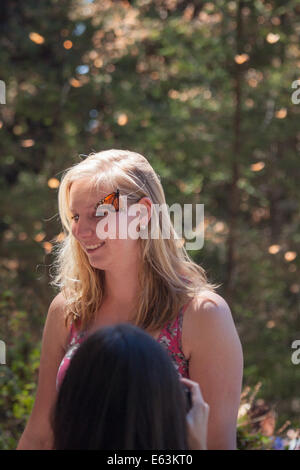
[
  {"x": 55, "y": 322},
  {"x": 209, "y": 302},
  {"x": 57, "y": 304},
  {"x": 206, "y": 313}
]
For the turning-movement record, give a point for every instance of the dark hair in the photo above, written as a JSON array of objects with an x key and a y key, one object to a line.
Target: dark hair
[{"x": 121, "y": 391}]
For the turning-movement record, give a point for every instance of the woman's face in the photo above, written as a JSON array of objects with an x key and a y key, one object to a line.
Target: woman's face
[{"x": 103, "y": 252}]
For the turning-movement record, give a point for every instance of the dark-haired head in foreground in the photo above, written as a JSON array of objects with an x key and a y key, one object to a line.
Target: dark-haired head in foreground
[{"x": 121, "y": 391}]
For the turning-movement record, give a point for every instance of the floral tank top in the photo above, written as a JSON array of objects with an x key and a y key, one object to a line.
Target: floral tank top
[{"x": 169, "y": 338}]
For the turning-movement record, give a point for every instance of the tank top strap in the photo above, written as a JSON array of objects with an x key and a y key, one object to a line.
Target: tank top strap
[
  {"x": 73, "y": 331},
  {"x": 174, "y": 329},
  {"x": 179, "y": 323}
]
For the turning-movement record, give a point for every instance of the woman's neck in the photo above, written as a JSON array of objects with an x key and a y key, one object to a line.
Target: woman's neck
[{"x": 121, "y": 288}]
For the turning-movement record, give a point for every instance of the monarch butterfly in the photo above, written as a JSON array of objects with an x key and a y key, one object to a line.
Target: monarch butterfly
[{"x": 110, "y": 199}]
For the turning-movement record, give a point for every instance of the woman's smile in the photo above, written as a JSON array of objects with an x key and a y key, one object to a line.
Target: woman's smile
[{"x": 94, "y": 248}]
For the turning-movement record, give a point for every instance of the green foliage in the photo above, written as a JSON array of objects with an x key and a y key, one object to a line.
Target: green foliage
[
  {"x": 248, "y": 440},
  {"x": 251, "y": 432},
  {"x": 18, "y": 377}
]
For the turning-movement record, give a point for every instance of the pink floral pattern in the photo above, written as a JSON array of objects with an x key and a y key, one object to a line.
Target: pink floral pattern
[{"x": 169, "y": 338}]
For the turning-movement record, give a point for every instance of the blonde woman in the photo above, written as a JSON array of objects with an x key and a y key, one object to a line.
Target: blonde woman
[{"x": 148, "y": 281}]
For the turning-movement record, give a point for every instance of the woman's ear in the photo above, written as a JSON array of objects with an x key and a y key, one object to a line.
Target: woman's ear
[{"x": 146, "y": 211}]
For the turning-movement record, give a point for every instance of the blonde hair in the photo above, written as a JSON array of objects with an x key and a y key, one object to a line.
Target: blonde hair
[{"x": 168, "y": 276}]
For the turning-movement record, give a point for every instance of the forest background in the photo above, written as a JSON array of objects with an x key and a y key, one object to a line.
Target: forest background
[{"x": 207, "y": 91}]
